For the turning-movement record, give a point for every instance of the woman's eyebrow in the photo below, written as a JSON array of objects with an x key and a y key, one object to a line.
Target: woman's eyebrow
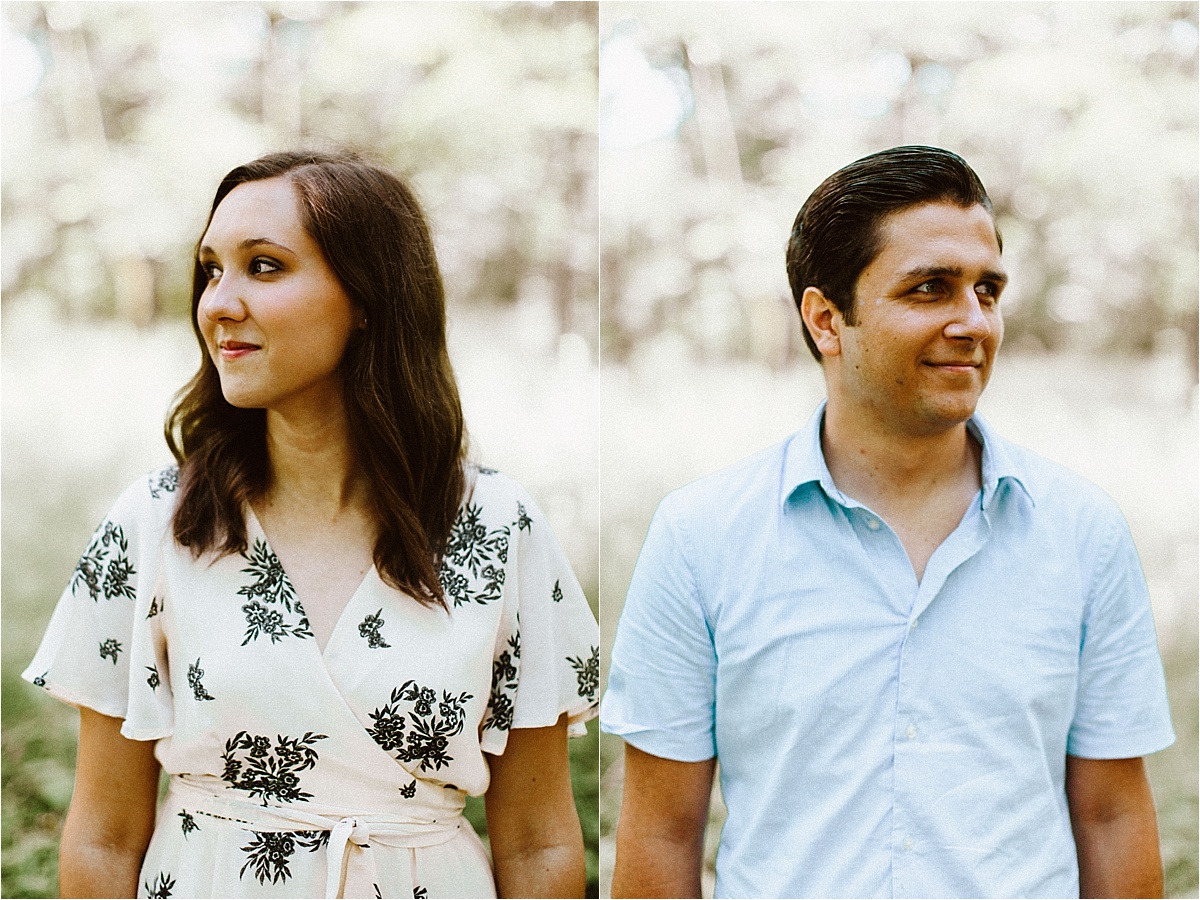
[{"x": 246, "y": 245}]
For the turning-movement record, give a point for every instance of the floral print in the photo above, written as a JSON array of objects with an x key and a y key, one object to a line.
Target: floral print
[
  {"x": 428, "y": 732},
  {"x": 162, "y": 886},
  {"x": 473, "y": 566},
  {"x": 270, "y": 852},
  {"x": 104, "y": 569},
  {"x": 588, "y": 673},
  {"x": 396, "y": 712},
  {"x": 164, "y": 481},
  {"x": 270, "y": 585},
  {"x": 270, "y": 775},
  {"x": 195, "y": 673},
  {"x": 188, "y": 825},
  {"x": 504, "y": 685},
  {"x": 110, "y": 649},
  {"x": 369, "y": 629}
]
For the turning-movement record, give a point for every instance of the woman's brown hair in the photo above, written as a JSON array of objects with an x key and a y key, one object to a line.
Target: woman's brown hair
[{"x": 405, "y": 419}]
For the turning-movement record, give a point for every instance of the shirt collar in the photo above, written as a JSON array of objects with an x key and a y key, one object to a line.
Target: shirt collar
[{"x": 804, "y": 461}]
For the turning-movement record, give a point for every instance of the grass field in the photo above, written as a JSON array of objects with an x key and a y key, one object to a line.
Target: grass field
[
  {"x": 1130, "y": 426},
  {"x": 82, "y": 413}
]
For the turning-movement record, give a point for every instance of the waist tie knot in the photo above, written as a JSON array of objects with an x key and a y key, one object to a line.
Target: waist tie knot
[
  {"x": 347, "y": 833},
  {"x": 350, "y": 854}
]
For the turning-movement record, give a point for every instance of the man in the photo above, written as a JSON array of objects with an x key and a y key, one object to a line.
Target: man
[{"x": 923, "y": 656}]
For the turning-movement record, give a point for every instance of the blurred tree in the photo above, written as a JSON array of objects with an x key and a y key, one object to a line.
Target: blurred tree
[
  {"x": 1080, "y": 118},
  {"x": 122, "y": 117}
]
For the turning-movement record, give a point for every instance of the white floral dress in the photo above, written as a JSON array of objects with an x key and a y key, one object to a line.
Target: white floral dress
[{"x": 302, "y": 773}]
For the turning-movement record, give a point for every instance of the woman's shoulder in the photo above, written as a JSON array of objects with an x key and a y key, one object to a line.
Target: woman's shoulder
[
  {"x": 497, "y": 495},
  {"x": 149, "y": 501}
]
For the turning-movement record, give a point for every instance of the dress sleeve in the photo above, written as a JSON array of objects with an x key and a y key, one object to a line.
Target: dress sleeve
[
  {"x": 661, "y": 694},
  {"x": 104, "y": 647},
  {"x": 546, "y": 660},
  {"x": 1121, "y": 708}
]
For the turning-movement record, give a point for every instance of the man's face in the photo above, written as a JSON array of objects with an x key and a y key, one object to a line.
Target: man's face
[{"x": 927, "y": 320}]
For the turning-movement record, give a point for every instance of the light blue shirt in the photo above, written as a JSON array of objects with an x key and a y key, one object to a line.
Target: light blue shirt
[{"x": 878, "y": 736}]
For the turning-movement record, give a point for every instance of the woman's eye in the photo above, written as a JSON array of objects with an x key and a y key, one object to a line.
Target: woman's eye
[
  {"x": 263, "y": 266},
  {"x": 211, "y": 271}
]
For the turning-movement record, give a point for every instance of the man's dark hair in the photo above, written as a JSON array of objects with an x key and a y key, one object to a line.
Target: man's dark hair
[{"x": 839, "y": 229}]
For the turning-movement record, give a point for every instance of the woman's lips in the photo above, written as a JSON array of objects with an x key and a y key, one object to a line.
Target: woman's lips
[{"x": 236, "y": 349}]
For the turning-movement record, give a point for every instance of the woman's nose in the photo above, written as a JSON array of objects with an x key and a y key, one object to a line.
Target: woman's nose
[{"x": 221, "y": 300}]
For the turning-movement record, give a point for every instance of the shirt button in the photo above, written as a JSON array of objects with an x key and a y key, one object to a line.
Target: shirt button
[
  {"x": 910, "y": 732},
  {"x": 913, "y": 623},
  {"x": 873, "y": 524},
  {"x": 908, "y": 843}
]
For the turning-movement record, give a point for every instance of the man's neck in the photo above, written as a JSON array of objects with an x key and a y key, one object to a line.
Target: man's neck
[{"x": 888, "y": 469}]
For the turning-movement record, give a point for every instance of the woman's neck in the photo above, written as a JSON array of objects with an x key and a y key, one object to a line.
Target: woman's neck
[{"x": 312, "y": 462}]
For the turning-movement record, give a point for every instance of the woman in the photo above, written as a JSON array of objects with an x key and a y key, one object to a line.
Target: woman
[{"x": 324, "y": 624}]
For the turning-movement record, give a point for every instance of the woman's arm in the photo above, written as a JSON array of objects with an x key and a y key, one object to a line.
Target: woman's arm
[
  {"x": 111, "y": 818},
  {"x": 537, "y": 844}
]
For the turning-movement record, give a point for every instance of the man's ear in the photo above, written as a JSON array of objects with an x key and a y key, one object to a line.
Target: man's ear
[{"x": 823, "y": 320}]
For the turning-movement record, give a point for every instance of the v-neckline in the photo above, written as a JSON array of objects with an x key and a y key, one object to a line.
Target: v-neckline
[{"x": 252, "y": 517}]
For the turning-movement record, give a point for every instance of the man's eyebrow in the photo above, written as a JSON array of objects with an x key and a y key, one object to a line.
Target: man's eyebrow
[
  {"x": 206, "y": 250},
  {"x": 952, "y": 272}
]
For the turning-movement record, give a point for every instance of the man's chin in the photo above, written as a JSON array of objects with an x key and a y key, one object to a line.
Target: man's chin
[{"x": 939, "y": 418}]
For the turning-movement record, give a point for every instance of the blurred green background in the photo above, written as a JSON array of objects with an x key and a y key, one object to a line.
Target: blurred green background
[
  {"x": 690, "y": 133},
  {"x": 120, "y": 119},
  {"x": 716, "y": 122}
]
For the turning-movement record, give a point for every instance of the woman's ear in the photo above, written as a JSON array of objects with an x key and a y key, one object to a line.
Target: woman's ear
[{"x": 823, "y": 320}]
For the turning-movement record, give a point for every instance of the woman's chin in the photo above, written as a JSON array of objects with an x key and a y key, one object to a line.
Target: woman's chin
[{"x": 242, "y": 399}]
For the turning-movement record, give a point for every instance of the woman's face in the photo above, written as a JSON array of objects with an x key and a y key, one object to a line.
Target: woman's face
[{"x": 274, "y": 316}]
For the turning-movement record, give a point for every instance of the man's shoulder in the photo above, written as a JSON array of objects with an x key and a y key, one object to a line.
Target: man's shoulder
[
  {"x": 1054, "y": 488},
  {"x": 747, "y": 487}
]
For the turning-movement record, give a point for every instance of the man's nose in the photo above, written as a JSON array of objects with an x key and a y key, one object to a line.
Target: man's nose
[{"x": 972, "y": 320}]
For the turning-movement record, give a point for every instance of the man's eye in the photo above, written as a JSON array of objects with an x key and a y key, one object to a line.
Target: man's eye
[
  {"x": 928, "y": 287},
  {"x": 988, "y": 290},
  {"x": 263, "y": 266}
]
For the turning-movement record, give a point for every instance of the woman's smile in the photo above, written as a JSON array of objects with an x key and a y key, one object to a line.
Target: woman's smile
[{"x": 231, "y": 350}]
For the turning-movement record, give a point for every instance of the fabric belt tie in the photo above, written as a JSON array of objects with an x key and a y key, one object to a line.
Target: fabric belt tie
[{"x": 351, "y": 861}]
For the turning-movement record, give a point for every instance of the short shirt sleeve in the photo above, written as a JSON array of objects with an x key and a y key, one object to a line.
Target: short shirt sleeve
[
  {"x": 546, "y": 660},
  {"x": 661, "y": 694},
  {"x": 1121, "y": 708},
  {"x": 104, "y": 648}
]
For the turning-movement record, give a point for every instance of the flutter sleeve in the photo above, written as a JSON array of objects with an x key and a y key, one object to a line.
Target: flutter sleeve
[
  {"x": 546, "y": 660},
  {"x": 104, "y": 648}
]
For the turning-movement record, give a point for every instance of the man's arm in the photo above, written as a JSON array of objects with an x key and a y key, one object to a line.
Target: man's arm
[
  {"x": 1116, "y": 832},
  {"x": 660, "y": 835}
]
